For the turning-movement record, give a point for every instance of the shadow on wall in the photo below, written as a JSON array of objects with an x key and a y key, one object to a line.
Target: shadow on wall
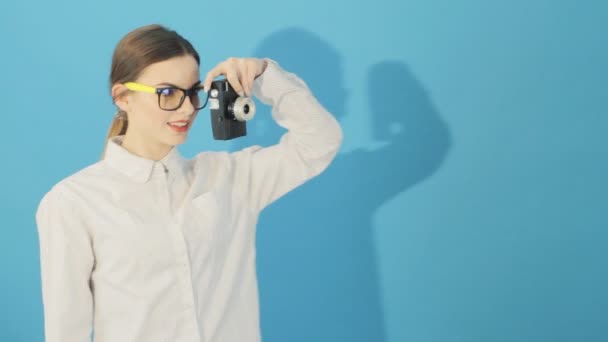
[{"x": 317, "y": 266}]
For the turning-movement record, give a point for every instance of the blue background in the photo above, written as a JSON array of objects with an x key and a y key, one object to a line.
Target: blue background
[{"x": 468, "y": 201}]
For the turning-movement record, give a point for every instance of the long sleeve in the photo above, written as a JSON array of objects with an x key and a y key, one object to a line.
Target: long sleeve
[
  {"x": 312, "y": 140},
  {"x": 66, "y": 261}
]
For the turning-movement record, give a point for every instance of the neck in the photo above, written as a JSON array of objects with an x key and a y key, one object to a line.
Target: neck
[{"x": 145, "y": 149}]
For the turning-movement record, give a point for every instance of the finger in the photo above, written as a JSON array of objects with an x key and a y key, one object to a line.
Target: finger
[
  {"x": 243, "y": 76},
  {"x": 233, "y": 79},
  {"x": 232, "y": 74},
  {"x": 212, "y": 74},
  {"x": 251, "y": 71}
]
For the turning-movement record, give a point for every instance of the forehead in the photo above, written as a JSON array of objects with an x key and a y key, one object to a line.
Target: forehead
[{"x": 181, "y": 71}]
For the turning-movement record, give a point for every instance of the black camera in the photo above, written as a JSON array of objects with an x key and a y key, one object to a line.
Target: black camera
[{"x": 229, "y": 111}]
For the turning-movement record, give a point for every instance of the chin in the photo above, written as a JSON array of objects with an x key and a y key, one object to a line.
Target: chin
[{"x": 178, "y": 140}]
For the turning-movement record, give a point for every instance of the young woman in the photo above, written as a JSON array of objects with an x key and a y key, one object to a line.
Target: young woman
[{"x": 146, "y": 245}]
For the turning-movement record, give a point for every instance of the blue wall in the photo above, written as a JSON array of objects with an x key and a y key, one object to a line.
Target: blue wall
[{"x": 468, "y": 202}]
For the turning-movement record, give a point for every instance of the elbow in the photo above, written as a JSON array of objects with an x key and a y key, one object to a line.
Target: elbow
[
  {"x": 339, "y": 135},
  {"x": 332, "y": 145},
  {"x": 317, "y": 148},
  {"x": 336, "y": 138}
]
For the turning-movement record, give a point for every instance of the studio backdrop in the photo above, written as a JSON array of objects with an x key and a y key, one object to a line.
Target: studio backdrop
[{"x": 467, "y": 203}]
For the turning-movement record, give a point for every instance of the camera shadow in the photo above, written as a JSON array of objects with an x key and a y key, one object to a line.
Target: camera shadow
[{"x": 316, "y": 258}]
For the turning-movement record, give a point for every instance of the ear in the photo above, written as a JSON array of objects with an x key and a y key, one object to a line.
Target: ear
[{"x": 120, "y": 96}]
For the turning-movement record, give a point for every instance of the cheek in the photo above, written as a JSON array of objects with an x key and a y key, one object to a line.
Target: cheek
[
  {"x": 156, "y": 117},
  {"x": 148, "y": 115}
]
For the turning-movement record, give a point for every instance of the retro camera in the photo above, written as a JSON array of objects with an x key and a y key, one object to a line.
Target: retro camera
[{"x": 229, "y": 111}]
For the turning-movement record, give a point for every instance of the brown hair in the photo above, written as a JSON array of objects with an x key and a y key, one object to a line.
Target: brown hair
[{"x": 134, "y": 52}]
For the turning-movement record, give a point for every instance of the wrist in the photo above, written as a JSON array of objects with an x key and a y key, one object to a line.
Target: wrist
[{"x": 264, "y": 64}]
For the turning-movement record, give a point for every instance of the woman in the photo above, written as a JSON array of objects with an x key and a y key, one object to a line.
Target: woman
[{"x": 146, "y": 245}]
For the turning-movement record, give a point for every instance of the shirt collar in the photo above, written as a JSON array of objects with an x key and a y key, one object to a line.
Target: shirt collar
[{"x": 139, "y": 168}]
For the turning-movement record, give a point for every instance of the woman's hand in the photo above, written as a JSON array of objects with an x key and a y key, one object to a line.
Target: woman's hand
[{"x": 240, "y": 72}]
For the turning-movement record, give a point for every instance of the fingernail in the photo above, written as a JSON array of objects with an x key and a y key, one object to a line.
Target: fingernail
[{"x": 241, "y": 93}]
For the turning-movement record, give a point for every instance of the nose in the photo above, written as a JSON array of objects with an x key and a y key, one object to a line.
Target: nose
[{"x": 187, "y": 107}]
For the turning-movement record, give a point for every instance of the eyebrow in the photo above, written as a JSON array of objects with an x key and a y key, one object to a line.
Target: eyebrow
[{"x": 176, "y": 86}]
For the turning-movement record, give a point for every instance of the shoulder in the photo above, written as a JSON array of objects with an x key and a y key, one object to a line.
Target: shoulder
[
  {"x": 64, "y": 192},
  {"x": 60, "y": 208},
  {"x": 53, "y": 201},
  {"x": 224, "y": 159}
]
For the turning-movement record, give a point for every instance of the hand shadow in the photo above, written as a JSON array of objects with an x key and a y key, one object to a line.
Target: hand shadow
[{"x": 316, "y": 260}]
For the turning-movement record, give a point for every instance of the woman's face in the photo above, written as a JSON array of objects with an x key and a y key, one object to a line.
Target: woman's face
[{"x": 146, "y": 119}]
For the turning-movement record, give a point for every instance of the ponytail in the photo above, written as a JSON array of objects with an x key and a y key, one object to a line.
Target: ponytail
[{"x": 118, "y": 127}]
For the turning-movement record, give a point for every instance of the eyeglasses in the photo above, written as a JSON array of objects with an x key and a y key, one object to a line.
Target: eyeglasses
[{"x": 172, "y": 97}]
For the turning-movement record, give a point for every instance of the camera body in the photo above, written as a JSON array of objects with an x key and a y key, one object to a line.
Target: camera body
[{"x": 229, "y": 111}]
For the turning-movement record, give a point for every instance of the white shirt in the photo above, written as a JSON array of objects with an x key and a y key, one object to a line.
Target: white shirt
[{"x": 140, "y": 254}]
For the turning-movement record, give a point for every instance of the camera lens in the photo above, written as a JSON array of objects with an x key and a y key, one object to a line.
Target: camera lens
[{"x": 243, "y": 109}]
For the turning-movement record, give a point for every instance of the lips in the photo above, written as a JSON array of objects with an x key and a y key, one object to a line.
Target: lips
[{"x": 179, "y": 126}]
